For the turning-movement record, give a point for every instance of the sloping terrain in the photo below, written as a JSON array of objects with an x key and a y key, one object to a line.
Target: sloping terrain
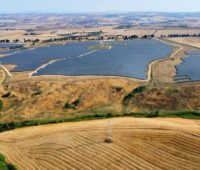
[
  {"x": 171, "y": 98},
  {"x": 63, "y": 97},
  {"x": 58, "y": 97},
  {"x": 137, "y": 144}
]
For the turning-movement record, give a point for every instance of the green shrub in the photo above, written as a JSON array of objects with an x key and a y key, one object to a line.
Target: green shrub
[
  {"x": 38, "y": 92},
  {"x": 118, "y": 89},
  {"x": 11, "y": 167},
  {"x": 171, "y": 91},
  {"x": 188, "y": 115},
  {"x": 69, "y": 106},
  {"x": 151, "y": 115},
  {"x": 76, "y": 102},
  {"x": 1, "y": 105},
  {"x": 72, "y": 105},
  {"x": 4, "y": 165},
  {"x": 137, "y": 90},
  {"x": 2, "y": 158},
  {"x": 6, "y": 95}
]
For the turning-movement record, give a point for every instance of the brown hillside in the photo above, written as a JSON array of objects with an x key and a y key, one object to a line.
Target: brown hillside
[
  {"x": 179, "y": 97},
  {"x": 63, "y": 98}
]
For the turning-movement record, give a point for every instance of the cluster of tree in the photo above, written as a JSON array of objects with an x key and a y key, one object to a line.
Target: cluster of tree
[
  {"x": 4, "y": 41},
  {"x": 136, "y": 37},
  {"x": 32, "y": 33},
  {"x": 66, "y": 38},
  {"x": 148, "y": 36},
  {"x": 17, "y": 41},
  {"x": 180, "y": 35},
  {"x": 130, "y": 37},
  {"x": 32, "y": 41},
  {"x": 56, "y": 39}
]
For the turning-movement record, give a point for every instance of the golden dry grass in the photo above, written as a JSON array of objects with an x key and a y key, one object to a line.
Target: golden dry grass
[
  {"x": 138, "y": 143},
  {"x": 44, "y": 97},
  {"x": 190, "y": 41},
  {"x": 19, "y": 33}
]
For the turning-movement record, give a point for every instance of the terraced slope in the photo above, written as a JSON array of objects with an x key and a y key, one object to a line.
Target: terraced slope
[{"x": 137, "y": 144}]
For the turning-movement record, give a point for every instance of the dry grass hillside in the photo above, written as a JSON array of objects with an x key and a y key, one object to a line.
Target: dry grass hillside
[
  {"x": 57, "y": 97},
  {"x": 177, "y": 97},
  {"x": 191, "y": 41},
  {"x": 144, "y": 144},
  {"x": 24, "y": 100},
  {"x": 63, "y": 97}
]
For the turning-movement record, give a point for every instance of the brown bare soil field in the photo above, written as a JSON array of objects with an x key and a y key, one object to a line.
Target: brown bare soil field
[{"x": 138, "y": 143}]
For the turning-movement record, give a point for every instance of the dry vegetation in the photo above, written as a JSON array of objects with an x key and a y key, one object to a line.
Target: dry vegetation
[
  {"x": 2, "y": 76},
  {"x": 190, "y": 41},
  {"x": 177, "y": 97},
  {"x": 137, "y": 144},
  {"x": 106, "y": 31},
  {"x": 58, "y": 97}
]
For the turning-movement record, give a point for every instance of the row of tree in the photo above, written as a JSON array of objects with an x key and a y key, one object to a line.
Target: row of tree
[
  {"x": 17, "y": 41},
  {"x": 180, "y": 35},
  {"x": 99, "y": 38}
]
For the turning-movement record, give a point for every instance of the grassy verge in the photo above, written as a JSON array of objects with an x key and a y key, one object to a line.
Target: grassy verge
[
  {"x": 182, "y": 114},
  {"x": 4, "y": 165}
]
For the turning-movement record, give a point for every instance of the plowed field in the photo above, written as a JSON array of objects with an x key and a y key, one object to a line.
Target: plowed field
[{"x": 138, "y": 143}]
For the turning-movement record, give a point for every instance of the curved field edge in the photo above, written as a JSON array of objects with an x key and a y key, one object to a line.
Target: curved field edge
[
  {"x": 180, "y": 114},
  {"x": 138, "y": 143},
  {"x": 5, "y": 165}
]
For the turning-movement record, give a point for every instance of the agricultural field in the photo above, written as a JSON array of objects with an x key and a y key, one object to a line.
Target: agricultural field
[
  {"x": 137, "y": 143},
  {"x": 99, "y": 91},
  {"x": 190, "y": 41}
]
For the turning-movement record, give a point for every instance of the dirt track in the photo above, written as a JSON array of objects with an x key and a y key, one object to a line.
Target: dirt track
[{"x": 138, "y": 144}]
